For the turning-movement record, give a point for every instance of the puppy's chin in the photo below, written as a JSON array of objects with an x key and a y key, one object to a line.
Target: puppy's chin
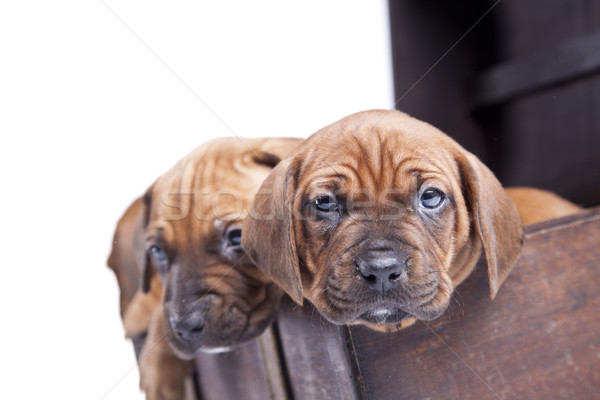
[
  {"x": 189, "y": 354},
  {"x": 215, "y": 350},
  {"x": 388, "y": 328},
  {"x": 389, "y": 320},
  {"x": 383, "y": 316},
  {"x": 387, "y": 312},
  {"x": 182, "y": 350},
  {"x": 221, "y": 337},
  {"x": 393, "y": 321},
  {"x": 223, "y": 328}
]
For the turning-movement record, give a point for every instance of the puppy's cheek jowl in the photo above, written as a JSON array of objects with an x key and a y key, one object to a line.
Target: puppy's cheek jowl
[
  {"x": 233, "y": 323},
  {"x": 335, "y": 294},
  {"x": 436, "y": 307},
  {"x": 332, "y": 313}
]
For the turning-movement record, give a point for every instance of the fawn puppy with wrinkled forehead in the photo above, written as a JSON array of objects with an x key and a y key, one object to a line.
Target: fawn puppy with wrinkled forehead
[
  {"x": 184, "y": 278},
  {"x": 376, "y": 218}
]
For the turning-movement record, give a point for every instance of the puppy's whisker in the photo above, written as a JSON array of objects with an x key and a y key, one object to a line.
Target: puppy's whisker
[
  {"x": 460, "y": 306},
  {"x": 320, "y": 293},
  {"x": 456, "y": 296},
  {"x": 314, "y": 308}
]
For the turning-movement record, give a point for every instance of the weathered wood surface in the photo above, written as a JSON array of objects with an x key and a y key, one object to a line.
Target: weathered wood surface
[
  {"x": 315, "y": 354},
  {"x": 531, "y": 68},
  {"x": 251, "y": 371},
  {"x": 571, "y": 60},
  {"x": 539, "y": 339}
]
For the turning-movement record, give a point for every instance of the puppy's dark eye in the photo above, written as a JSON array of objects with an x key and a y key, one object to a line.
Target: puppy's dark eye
[
  {"x": 158, "y": 253},
  {"x": 432, "y": 198},
  {"x": 234, "y": 237},
  {"x": 325, "y": 204}
]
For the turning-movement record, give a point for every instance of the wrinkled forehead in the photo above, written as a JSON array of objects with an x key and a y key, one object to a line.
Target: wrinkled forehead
[
  {"x": 190, "y": 217},
  {"x": 180, "y": 232},
  {"x": 210, "y": 184},
  {"x": 376, "y": 154},
  {"x": 199, "y": 205}
]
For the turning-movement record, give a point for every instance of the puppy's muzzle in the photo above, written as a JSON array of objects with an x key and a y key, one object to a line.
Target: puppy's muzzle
[
  {"x": 381, "y": 265},
  {"x": 188, "y": 323},
  {"x": 190, "y": 326}
]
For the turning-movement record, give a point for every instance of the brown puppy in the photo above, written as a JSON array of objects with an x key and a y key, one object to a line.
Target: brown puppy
[
  {"x": 188, "y": 228},
  {"x": 214, "y": 296},
  {"x": 376, "y": 218}
]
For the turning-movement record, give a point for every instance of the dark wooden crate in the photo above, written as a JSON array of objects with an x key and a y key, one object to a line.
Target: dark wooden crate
[
  {"x": 251, "y": 371},
  {"x": 516, "y": 82},
  {"x": 537, "y": 340}
]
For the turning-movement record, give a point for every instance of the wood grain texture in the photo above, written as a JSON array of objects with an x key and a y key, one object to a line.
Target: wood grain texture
[
  {"x": 531, "y": 67},
  {"x": 571, "y": 60},
  {"x": 251, "y": 371},
  {"x": 315, "y": 354},
  {"x": 537, "y": 340}
]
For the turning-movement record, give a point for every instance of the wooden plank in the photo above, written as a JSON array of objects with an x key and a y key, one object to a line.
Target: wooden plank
[
  {"x": 525, "y": 27},
  {"x": 251, "y": 371},
  {"x": 571, "y": 60},
  {"x": 550, "y": 140},
  {"x": 315, "y": 355},
  {"x": 429, "y": 80},
  {"x": 547, "y": 139},
  {"x": 537, "y": 340}
]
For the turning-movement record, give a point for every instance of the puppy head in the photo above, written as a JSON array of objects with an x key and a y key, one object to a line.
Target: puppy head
[
  {"x": 377, "y": 218},
  {"x": 213, "y": 295}
]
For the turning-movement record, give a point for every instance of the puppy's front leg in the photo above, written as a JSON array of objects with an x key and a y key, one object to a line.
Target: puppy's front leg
[{"x": 162, "y": 374}]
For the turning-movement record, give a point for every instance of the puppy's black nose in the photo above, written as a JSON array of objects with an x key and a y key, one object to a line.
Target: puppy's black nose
[
  {"x": 190, "y": 326},
  {"x": 381, "y": 269}
]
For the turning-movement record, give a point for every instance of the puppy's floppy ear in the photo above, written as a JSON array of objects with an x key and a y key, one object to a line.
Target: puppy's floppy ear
[
  {"x": 264, "y": 158},
  {"x": 495, "y": 218},
  {"x": 268, "y": 232},
  {"x": 146, "y": 270},
  {"x": 271, "y": 151},
  {"x": 123, "y": 258}
]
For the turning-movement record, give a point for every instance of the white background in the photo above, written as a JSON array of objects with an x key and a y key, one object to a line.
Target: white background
[{"x": 98, "y": 99}]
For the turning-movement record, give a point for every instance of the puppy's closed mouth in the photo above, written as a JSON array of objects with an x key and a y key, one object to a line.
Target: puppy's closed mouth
[{"x": 384, "y": 316}]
